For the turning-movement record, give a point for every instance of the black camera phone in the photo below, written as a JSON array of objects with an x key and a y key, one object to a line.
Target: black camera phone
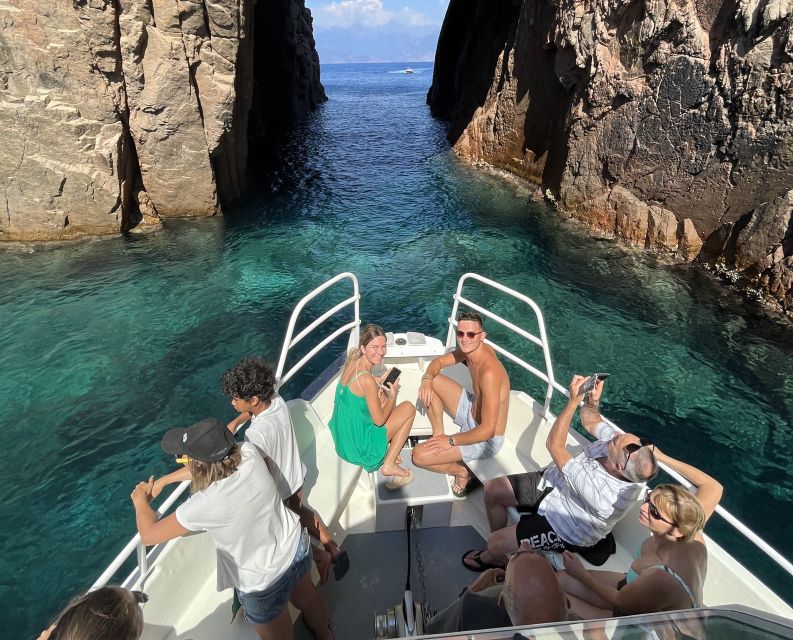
[
  {"x": 590, "y": 382},
  {"x": 391, "y": 377}
]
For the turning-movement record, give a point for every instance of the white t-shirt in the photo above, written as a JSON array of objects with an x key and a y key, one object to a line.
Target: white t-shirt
[
  {"x": 272, "y": 433},
  {"x": 587, "y": 501},
  {"x": 255, "y": 535}
]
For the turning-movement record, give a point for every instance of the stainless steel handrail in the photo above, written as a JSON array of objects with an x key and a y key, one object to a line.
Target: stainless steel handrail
[{"x": 552, "y": 385}]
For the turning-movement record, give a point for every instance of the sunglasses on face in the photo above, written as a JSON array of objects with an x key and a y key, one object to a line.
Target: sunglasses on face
[
  {"x": 468, "y": 334},
  {"x": 633, "y": 447},
  {"x": 653, "y": 510}
]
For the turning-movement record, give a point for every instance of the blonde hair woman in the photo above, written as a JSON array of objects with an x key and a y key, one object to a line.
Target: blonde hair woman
[
  {"x": 369, "y": 428},
  {"x": 670, "y": 566}
]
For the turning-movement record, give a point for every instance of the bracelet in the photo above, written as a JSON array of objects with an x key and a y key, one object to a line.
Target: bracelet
[
  {"x": 589, "y": 403},
  {"x": 427, "y": 376}
]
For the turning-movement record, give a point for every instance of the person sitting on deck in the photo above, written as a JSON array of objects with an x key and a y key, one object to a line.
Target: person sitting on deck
[
  {"x": 670, "y": 566},
  {"x": 368, "y": 427},
  {"x": 527, "y": 592},
  {"x": 251, "y": 386},
  {"x": 107, "y": 613},
  {"x": 575, "y": 502},
  {"x": 481, "y": 415},
  {"x": 262, "y": 551}
]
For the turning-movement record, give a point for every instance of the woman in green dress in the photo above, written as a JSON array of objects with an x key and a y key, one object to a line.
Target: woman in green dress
[{"x": 368, "y": 427}]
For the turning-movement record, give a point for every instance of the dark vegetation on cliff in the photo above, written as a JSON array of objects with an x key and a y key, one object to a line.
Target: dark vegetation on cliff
[{"x": 665, "y": 124}]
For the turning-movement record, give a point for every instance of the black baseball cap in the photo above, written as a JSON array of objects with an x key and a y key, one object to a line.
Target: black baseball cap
[{"x": 207, "y": 441}]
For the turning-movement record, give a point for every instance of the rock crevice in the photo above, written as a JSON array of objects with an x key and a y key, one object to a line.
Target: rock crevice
[
  {"x": 119, "y": 113},
  {"x": 664, "y": 123}
]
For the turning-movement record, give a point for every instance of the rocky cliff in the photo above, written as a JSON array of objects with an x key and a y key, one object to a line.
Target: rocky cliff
[
  {"x": 665, "y": 123},
  {"x": 118, "y": 114}
]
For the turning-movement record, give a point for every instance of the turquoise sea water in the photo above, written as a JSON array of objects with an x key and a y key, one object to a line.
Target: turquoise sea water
[{"x": 106, "y": 344}]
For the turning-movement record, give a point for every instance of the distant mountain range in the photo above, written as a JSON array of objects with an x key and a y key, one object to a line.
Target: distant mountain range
[{"x": 387, "y": 43}]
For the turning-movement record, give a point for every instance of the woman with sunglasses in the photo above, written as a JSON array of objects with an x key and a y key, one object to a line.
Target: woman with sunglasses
[
  {"x": 669, "y": 569},
  {"x": 368, "y": 427},
  {"x": 108, "y": 613}
]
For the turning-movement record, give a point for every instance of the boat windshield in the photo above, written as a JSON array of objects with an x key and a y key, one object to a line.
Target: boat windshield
[{"x": 734, "y": 623}]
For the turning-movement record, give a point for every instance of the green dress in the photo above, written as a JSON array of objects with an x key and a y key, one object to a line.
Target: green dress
[{"x": 358, "y": 440}]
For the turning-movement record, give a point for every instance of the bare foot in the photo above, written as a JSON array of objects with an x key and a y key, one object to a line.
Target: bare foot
[
  {"x": 394, "y": 470},
  {"x": 323, "y": 561}
]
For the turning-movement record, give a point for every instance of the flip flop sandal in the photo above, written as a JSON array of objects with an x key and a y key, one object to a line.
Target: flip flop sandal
[
  {"x": 458, "y": 491},
  {"x": 341, "y": 565},
  {"x": 481, "y": 565}
]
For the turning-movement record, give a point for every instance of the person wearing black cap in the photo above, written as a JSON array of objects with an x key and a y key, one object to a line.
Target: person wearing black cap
[{"x": 261, "y": 550}]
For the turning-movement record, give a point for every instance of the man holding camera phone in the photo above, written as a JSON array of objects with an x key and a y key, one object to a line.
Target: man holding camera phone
[
  {"x": 575, "y": 502},
  {"x": 481, "y": 415}
]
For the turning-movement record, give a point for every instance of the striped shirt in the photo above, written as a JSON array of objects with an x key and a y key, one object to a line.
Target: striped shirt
[{"x": 587, "y": 501}]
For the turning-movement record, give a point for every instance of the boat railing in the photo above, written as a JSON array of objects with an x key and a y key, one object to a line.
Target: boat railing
[
  {"x": 541, "y": 340},
  {"x": 136, "y": 546},
  {"x": 552, "y": 385},
  {"x": 291, "y": 340}
]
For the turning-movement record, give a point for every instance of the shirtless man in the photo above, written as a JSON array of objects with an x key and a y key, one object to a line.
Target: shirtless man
[{"x": 481, "y": 416}]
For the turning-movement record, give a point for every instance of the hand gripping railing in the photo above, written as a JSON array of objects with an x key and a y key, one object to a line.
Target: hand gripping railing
[
  {"x": 290, "y": 341},
  {"x": 548, "y": 378},
  {"x": 542, "y": 341},
  {"x": 136, "y": 545}
]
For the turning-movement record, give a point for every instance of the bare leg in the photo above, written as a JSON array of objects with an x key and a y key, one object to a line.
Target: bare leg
[
  {"x": 498, "y": 496},
  {"x": 499, "y": 544},
  {"x": 449, "y": 461},
  {"x": 322, "y": 559},
  {"x": 398, "y": 427},
  {"x": 278, "y": 629},
  {"x": 448, "y": 392},
  {"x": 306, "y": 598},
  {"x": 576, "y": 588},
  {"x": 314, "y": 524}
]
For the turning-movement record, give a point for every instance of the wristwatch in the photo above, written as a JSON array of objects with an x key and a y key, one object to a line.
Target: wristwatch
[{"x": 451, "y": 441}]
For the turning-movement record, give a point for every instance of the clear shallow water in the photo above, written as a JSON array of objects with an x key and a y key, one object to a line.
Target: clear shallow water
[{"x": 107, "y": 344}]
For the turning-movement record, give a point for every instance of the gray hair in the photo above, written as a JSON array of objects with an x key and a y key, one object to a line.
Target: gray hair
[{"x": 641, "y": 466}]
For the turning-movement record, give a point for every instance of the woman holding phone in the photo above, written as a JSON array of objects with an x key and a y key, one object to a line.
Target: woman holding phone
[
  {"x": 669, "y": 569},
  {"x": 368, "y": 427}
]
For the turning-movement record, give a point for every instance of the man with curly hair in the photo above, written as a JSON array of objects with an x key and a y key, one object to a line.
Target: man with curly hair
[{"x": 251, "y": 386}]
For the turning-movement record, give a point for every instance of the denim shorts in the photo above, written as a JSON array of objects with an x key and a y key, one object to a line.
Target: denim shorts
[
  {"x": 261, "y": 607},
  {"x": 466, "y": 422}
]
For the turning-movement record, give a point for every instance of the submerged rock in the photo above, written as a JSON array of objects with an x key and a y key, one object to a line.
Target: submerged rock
[
  {"x": 665, "y": 124},
  {"x": 119, "y": 114}
]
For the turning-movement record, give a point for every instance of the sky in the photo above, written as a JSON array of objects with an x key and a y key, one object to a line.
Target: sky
[{"x": 377, "y": 30}]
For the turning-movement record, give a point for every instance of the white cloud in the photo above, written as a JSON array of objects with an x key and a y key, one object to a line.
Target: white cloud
[{"x": 365, "y": 13}]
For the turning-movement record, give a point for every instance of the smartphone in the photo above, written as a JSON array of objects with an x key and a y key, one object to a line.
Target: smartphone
[
  {"x": 391, "y": 377},
  {"x": 590, "y": 382}
]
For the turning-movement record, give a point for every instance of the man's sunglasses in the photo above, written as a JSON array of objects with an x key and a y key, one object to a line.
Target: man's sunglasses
[
  {"x": 633, "y": 448},
  {"x": 468, "y": 334},
  {"x": 514, "y": 554},
  {"x": 653, "y": 510},
  {"x": 140, "y": 597}
]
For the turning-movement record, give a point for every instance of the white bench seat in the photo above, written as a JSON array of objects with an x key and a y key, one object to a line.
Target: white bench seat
[{"x": 329, "y": 480}]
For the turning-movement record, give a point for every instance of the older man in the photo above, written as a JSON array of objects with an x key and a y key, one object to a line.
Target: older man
[
  {"x": 575, "y": 502},
  {"x": 528, "y": 592}
]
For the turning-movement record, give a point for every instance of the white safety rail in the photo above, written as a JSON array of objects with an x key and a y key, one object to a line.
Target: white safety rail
[
  {"x": 290, "y": 341},
  {"x": 136, "y": 546},
  {"x": 547, "y": 377},
  {"x": 541, "y": 341}
]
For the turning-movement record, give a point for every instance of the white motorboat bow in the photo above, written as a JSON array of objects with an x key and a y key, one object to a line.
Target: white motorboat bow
[{"x": 179, "y": 576}]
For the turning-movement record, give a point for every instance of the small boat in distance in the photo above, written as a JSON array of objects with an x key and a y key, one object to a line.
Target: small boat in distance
[
  {"x": 409, "y": 70},
  {"x": 375, "y": 525}
]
